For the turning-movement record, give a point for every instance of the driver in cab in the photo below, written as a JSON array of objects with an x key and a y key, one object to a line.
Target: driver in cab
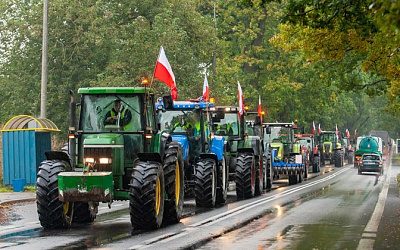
[{"x": 118, "y": 115}]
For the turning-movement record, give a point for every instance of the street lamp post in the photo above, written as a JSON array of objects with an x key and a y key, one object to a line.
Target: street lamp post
[{"x": 43, "y": 85}]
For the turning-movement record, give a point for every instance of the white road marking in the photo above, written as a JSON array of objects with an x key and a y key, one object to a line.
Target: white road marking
[
  {"x": 233, "y": 212},
  {"x": 373, "y": 223}
]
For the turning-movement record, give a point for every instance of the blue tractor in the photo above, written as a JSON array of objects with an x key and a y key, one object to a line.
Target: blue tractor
[{"x": 189, "y": 123}]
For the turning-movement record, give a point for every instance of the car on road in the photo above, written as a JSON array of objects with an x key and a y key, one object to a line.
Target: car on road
[{"x": 371, "y": 163}]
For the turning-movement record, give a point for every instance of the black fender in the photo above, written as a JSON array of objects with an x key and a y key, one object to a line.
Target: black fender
[
  {"x": 209, "y": 156},
  {"x": 165, "y": 139},
  {"x": 58, "y": 155},
  {"x": 150, "y": 157}
]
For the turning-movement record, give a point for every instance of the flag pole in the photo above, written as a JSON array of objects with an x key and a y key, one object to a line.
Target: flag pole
[{"x": 154, "y": 70}]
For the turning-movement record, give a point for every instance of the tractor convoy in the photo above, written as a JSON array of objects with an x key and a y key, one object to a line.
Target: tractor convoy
[{"x": 125, "y": 144}]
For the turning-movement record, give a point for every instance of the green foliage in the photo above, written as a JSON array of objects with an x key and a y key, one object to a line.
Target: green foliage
[{"x": 332, "y": 62}]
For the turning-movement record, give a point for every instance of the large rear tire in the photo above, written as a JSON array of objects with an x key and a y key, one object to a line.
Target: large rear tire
[
  {"x": 316, "y": 164},
  {"x": 174, "y": 183},
  {"x": 350, "y": 159},
  {"x": 206, "y": 183},
  {"x": 259, "y": 177},
  {"x": 337, "y": 158},
  {"x": 53, "y": 213},
  {"x": 245, "y": 176},
  {"x": 146, "y": 195},
  {"x": 223, "y": 183}
]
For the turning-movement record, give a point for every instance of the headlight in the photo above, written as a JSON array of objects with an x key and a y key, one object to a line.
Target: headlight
[
  {"x": 89, "y": 160},
  {"x": 105, "y": 160},
  {"x": 227, "y": 109}
]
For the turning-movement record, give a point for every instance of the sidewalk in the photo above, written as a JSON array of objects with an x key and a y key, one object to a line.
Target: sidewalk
[
  {"x": 388, "y": 235},
  {"x": 16, "y": 197}
]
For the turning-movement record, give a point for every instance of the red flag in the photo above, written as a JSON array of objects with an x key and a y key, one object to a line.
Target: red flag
[
  {"x": 206, "y": 91},
  {"x": 313, "y": 128},
  {"x": 240, "y": 98},
  {"x": 163, "y": 72},
  {"x": 347, "y": 133},
  {"x": 259, "y": 108},
  {"x": 319, "y": 129}
]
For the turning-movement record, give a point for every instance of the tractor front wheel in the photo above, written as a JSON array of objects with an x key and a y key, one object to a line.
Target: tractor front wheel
[
  {"x": 245, "y": 176},
  {"x": 146, "y": 195},
  {"x": 223, "y": 183},
  {"x": 174, "y": 183},
  {"x": 53, "y": 213},
  {"x": 206, "y": 183}
]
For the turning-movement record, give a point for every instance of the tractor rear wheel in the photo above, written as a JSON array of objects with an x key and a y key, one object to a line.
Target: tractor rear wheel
[
  {"x": 245, "y": 176},
  {"x": 267, "y": 168},
  {"x": 337, "y": 158},
  {"x": 350, "y": 159},
  {"x": 259, "y": 177},
  {"x": 206, "y": 183},
  {"x": 316, "y": 164},
  {"x": 82, "y": 213},
  {"x": 174, "y": 183},
  {"x": 223, "y": 183},
  {"x": 146, "y": 195},
  {"x": 53, "y": 213}
]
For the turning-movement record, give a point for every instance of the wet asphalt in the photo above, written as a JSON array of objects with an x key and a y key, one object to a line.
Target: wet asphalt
[
  {"x": 329, "y": 211},
  {"x": 332, "y": 218}
]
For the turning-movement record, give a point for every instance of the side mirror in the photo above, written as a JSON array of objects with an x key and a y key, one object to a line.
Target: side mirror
[
  {"x": 168, "y": 102},
  {"x": 268, "y": 130}
]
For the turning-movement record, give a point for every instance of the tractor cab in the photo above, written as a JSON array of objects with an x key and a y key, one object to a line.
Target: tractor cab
[
  {"x": 330, "y": 147},
  {"x": 280, "y": 136}
]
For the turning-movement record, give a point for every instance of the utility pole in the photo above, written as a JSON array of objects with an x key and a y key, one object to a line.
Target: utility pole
[{"x": 43, "y": 85}]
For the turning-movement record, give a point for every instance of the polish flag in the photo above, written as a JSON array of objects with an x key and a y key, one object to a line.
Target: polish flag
[
  {"x": 347, "y": 133},
  {"x": 319, "y": 129},
  {"x": 206, "y": 90},
  {"x": 313, "y": 128},
  {"x": 337, "y": 131},
  {"x": 163, "y": 72},
  {"x": 259, "y": 108},
  {"x": 240, "y": 98}
]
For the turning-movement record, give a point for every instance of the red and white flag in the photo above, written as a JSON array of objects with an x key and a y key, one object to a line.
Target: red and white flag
[
  {"x": 163, "y": 72},
  {"x": 319, "y": 128},
  {"x": 240, "y": 98},
  {"x": 313, "y": 128},
  {"x": 347, "y": 133},
  {"x": 337, "y": 131},
  {"x": 259, "y": 108},
  {"x": 206, "y": 90}
]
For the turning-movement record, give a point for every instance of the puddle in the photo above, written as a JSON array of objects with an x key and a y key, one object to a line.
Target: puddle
[{"x": 317, "y": 236}]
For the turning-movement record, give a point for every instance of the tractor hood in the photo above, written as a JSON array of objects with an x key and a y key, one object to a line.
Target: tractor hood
[{"x": 104, "y": 139}]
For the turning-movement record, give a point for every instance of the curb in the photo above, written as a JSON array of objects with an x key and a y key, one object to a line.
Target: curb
[{"x": 13, "y": 202}]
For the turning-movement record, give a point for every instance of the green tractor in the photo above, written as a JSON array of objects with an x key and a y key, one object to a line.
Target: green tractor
[
  {"x": 116, "y": 152},
  {"x": 284, "y": 153},
  {"x": 330, "y": 148},
  {"x": 244, "y": 151}
]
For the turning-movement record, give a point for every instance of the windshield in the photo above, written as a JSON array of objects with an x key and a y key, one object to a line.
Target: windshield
[
  {"x": 101, "y": 113},
  {"x": 178, "y": 121},
  {"x": 371, "y": 157},
  {"x": 328, "y": 137},
  {"x": 228, "y": 125},
  {"x": 279, "y": 134}
]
